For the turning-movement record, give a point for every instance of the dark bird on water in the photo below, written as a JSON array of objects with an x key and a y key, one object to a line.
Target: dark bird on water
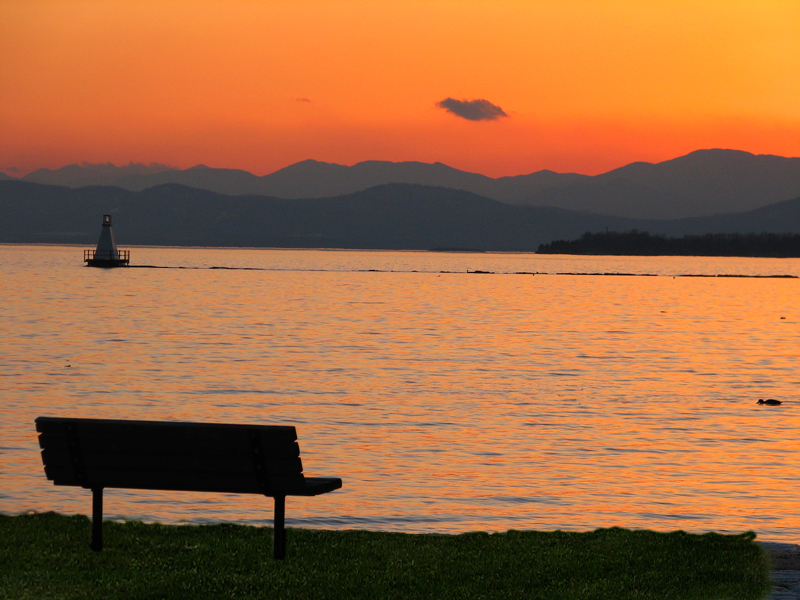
[{"x": 769, "y": 402}]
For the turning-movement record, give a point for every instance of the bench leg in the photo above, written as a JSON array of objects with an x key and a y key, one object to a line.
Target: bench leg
[
  {"x": 97, "y": 519},
  {"x": 279, "y": 528}
]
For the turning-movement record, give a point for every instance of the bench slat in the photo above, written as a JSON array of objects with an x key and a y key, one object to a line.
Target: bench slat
[
  {"x": 178, "y": 438},
  {"x": 56, "y": 424},
  {"x": 239, "y": 445},
  {"x": 167, "y": 462},
  {"x": 233, "y": 483}
]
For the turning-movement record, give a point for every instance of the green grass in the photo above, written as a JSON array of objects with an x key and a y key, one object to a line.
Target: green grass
[{"x": 48, "y": 556}]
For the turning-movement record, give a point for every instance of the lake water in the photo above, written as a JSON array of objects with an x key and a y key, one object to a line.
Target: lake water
[{"x": 446, "y": 400}]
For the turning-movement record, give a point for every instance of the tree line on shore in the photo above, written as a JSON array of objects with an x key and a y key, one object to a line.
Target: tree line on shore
[{"x": 642, "y": 243}]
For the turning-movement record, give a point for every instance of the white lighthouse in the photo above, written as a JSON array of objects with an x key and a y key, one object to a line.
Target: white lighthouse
[{"x": 106, "y": 254}]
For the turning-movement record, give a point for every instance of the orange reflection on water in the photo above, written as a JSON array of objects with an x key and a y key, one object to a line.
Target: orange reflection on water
[{"x": 445, "y": 401}]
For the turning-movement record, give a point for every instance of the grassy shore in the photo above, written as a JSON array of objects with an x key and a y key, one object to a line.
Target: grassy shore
[{"x": 47, "y": 556}]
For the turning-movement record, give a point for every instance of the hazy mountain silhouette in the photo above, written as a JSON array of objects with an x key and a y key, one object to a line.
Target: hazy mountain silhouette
[
  {"x": 779, "y": 217},
  {"x": 701, "y": 183},
  {"x": 391, "y": 216},
  {"x": 94, "y": 174},
  {"x": 705, "y": 182},
  {"x": 311, "y": 179}
]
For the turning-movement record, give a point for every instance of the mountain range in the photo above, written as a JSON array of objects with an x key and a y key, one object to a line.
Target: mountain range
[
  {"x": 389, "y": 216},
  {"x": 702, "y": 183}
]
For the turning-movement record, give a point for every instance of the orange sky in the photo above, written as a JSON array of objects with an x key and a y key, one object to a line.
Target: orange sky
[{"x": 588, "y": 85}]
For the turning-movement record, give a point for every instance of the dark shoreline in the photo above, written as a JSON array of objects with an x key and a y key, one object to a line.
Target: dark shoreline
[{"x": 642, "y": 243}]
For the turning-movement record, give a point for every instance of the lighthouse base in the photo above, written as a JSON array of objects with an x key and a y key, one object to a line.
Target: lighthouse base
[
  {"x": 107, "y": 264},
  {"x": 106, "y": 260}
]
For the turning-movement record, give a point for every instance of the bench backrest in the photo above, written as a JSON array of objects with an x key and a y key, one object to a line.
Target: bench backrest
[{"x": 162, "y": 455}]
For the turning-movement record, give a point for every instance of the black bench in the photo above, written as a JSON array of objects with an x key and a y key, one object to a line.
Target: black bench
[{"x": 179, "y": 456}]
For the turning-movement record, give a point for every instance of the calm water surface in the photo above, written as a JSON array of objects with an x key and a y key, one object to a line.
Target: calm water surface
[{"x": 446, "y": 400}]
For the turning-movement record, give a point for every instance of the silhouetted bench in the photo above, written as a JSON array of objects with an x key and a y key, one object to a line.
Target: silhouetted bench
[{"x": 192, "y": 457}]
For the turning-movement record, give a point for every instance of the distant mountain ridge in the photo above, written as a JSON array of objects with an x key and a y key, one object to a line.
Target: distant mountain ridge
[
  {"x": 704, "y": 182},
  {"x": 76, "y": 176},
  {"x": 390, "y": 216}
]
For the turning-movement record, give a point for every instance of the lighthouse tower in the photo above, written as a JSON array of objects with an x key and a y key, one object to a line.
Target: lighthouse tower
[{"x": 106, "y": 254}]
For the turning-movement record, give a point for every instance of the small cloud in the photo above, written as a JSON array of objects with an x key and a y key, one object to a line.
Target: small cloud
[
  {"x": 472, "y": 110},
  {"x": 11, "y": 169},
  {"x": 302, "y": 100}
]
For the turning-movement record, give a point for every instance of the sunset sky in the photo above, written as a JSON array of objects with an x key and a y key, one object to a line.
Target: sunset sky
[{"x": 569, "y": 85}]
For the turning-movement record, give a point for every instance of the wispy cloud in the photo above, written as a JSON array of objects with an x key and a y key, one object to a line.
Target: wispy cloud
[
  {"x": 302, "y": 100},
  {"x": 472, "y": 110}
]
